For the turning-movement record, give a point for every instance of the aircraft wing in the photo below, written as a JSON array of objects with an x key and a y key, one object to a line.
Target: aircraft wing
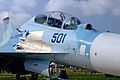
[{"x": 32, "y": 49}]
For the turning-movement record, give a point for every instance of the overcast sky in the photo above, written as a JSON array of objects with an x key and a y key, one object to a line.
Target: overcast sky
[{"x": 102, "y": 14}]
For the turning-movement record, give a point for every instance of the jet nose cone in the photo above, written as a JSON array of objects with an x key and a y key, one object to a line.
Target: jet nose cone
[{"x": 105, "y": 53}]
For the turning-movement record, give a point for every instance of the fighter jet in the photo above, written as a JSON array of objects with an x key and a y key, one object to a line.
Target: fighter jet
[{"x": 58, "y": 37}]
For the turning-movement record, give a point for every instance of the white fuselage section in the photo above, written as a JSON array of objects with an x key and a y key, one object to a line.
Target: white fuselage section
[{"x": 105, "y": 53}]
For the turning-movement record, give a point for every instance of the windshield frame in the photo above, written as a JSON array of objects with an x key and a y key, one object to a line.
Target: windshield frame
[{"x": 64, "y": 18}]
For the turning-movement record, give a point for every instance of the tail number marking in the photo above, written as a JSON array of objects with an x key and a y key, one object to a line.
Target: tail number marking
[{"x": 58, "y": 38}]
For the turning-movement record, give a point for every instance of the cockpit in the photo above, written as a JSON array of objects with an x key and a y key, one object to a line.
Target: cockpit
[{"x": 58, "y": 19}]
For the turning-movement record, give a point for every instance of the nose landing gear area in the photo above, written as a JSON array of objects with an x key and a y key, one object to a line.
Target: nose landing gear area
[{"x": 56, "y": 73}]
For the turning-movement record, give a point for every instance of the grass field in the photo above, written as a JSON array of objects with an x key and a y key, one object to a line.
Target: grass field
[{"x": 78, "y": 75}]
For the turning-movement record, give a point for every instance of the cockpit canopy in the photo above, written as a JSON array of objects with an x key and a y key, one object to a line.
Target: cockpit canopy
[{"x": 58, "y": 19}]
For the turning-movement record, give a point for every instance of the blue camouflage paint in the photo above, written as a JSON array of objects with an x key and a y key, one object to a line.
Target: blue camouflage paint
[
  {"x": 9, "y": 47},
  {"x": 86, "y": 37}
]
